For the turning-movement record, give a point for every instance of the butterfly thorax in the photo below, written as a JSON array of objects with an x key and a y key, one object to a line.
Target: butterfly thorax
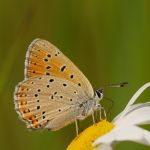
[{"x": 87, "y": 107}]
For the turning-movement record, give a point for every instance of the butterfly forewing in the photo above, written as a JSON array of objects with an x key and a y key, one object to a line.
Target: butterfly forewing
[
  {"x": 48, "y": 101},
  {"x": 43, "y": 58}
]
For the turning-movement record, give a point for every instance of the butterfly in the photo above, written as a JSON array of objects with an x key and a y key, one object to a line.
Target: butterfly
[{"x": 55, "y": 92}]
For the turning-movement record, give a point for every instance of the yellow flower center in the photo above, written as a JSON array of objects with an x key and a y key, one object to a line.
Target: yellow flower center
[{"x": 84, "y": 140}]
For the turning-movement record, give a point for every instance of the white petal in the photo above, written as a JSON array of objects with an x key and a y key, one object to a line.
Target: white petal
[
  {"x": 132, "y": 107},
  {"x": 138, "y": 93},
  {"x": 137, "y": 116},
  {"x": 132, "y": 100},
  {"x": 104, "y": 147},
  {"x": 137, "y": 106},
  {"x": 125, "y": 133}
]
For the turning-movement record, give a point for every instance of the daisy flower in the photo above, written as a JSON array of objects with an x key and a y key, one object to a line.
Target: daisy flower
[{"x": 124, "y": 127}]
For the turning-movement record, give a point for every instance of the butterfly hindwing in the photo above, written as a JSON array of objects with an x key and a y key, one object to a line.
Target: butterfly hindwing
[{"x": 48, "y": 101}]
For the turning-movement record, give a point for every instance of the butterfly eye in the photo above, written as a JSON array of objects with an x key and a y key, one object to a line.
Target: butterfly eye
[{"x": 99, "y": 93}]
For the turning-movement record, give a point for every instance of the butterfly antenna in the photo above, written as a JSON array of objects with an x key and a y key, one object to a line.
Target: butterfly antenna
[
  {"x": 118, "y": 85},
  {"x": 101, "y": 89}
]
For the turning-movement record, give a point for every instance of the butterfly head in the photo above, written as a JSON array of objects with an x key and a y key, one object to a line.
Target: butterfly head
[
  {"x": 95, "y": 101},
  {"x": 99, "y": 94},
  {"x": 97, "y": 97}
]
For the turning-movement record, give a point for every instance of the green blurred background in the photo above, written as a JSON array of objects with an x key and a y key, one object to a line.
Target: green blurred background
[{"x": 109, "y": 40}]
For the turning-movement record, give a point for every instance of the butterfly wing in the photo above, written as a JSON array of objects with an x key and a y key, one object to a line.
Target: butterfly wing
[
  {"x": 43, "y": 58},
  {"x": 48, "y": 102}
]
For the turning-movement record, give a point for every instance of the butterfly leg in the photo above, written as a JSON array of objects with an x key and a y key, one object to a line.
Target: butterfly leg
[
  {"x": 77, "y": 129},
  {"x": 104, "y": 113},
  {"x": 93, "y": 117}
]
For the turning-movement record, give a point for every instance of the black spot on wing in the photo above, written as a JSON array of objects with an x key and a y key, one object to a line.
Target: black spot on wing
[
  {"x": 51, "y": 80},
  {"x": 63, "y": 68},
  {"x": 71, "y": 76}
]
